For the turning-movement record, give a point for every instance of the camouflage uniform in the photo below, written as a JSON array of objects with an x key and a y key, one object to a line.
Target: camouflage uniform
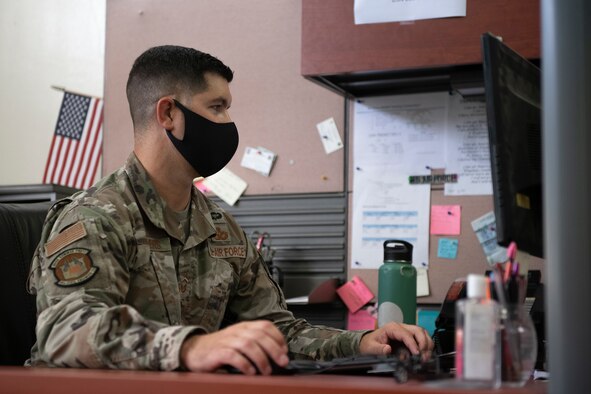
[{"x": 121, "y": 283}]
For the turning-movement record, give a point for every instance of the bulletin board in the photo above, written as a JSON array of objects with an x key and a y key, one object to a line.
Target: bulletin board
[
  {"x": 273, "y": 106},
  {"x": 441, "y": 271}
]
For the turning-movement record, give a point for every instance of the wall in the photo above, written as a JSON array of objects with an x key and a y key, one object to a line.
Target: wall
[
  {"x": 273, "y": 105},
  {"x": 43, "y": 43}
]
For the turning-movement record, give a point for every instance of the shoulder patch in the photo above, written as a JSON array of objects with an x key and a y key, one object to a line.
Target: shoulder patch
[
  {"x": 65, "y": 238},
  {"x": 73, "y": 267}
]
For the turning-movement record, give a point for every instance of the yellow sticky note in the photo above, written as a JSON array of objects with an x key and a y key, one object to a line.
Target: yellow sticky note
[{"x": 422, "y": 282}]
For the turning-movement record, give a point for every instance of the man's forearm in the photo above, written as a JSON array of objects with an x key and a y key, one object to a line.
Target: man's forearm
[{"x": 81, "y": 332}]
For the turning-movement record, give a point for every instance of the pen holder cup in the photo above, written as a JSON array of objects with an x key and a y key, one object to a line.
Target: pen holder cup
[{"x": 519, "y": 346}]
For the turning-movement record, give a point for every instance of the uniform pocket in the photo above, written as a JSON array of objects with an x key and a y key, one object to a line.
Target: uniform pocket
[
  {"x": 219, "y": 283},
  {"x": 145, "y": 293}
]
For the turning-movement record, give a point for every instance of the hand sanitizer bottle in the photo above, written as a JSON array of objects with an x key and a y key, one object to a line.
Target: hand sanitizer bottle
[{"x": 478, "y": 362}]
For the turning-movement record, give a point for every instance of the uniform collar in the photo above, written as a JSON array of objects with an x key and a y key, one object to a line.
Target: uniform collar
[{"x": 153, "y": 205}]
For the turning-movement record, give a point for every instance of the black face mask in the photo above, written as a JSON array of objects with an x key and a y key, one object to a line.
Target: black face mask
[{"x": 207, "y": 146}]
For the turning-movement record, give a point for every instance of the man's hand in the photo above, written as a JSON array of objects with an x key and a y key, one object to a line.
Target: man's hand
[
  {"x": 415, "y": 338},
  {"x": 246, "y": 346}
]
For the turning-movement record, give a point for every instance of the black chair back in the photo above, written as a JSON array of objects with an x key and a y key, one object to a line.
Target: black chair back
[{"x": 20, "y": 231}]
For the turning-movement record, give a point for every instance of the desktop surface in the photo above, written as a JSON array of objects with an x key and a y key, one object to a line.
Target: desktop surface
[{"x": 65, "y": 381}]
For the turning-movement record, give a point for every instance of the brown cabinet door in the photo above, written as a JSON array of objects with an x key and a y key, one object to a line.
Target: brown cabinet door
[{"x": 332, "y": 44}]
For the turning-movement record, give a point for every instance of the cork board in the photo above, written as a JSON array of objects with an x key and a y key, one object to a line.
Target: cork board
[
  {"x": 273, "y": 105},
  {"x": 442, "y": 272}
]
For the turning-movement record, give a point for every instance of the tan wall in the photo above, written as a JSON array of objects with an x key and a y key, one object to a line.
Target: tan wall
[{"x": 273, "y": 105}]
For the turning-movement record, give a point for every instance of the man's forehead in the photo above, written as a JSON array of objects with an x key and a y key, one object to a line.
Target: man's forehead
[{"x": 216, "y": 88}]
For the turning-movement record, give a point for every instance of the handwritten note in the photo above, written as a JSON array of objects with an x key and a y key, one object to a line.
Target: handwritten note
[
  {"x": 445, "y": 219},
  {"x": 226, "y": 185},
  {"x": 447, "y": 248},
  {"x": 259, "y": 159},
  {"x": 355, "y": 294},
  {"x": 329, "y": 135}
]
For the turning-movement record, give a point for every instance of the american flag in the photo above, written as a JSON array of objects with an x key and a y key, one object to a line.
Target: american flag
[{"x": 77, "y": 142}]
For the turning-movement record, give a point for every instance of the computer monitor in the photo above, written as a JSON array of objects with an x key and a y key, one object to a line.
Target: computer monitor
[{"x": 513, "y": 107}]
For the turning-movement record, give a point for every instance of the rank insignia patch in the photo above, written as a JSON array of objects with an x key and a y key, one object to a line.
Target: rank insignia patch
[
  {"x": 73, "y": 267},
  {"x": 221, "y": 233}
]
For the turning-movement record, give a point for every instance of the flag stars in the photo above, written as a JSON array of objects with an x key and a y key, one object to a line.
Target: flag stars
[{"x": 73, "y": 116}]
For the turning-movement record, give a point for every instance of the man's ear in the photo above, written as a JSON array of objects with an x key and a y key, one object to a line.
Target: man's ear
[{"x": 164, "y": 110}]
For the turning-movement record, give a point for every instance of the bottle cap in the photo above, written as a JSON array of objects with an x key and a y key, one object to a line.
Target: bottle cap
[
  {"x": 395, "y": 250},
  {"x": 477, "y": 285}
]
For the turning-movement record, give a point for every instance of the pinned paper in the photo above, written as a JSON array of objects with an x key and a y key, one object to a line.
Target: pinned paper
[
  {"x": 445, "y": 219},
  {"x": 361, "y": 320},
  {"x": 486, "y": 232},
  {"x": 355, "y": 294},
  {"x": 259, "y": 159},
  {"x": 422, "y": 282},
  {"x": 329, "y": 135},
  {"x": 448, "y": 248},
  {"x": 380, "y": 11},
  {"x": 226, "y": 185}
]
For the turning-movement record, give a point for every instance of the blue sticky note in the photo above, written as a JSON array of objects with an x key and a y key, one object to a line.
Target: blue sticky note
[{"x": 448, "y": 248}]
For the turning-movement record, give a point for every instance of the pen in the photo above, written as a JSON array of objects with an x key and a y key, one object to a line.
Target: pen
[{"x": 499, "y": 288}]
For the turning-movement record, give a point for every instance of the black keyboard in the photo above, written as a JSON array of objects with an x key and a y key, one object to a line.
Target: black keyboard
[
  {"x": 400, "y": 365},
  {"x": 348, "y": 365}
]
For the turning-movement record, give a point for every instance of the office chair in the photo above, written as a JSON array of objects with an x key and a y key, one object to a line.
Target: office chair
[{"x": 20, "y": 231}]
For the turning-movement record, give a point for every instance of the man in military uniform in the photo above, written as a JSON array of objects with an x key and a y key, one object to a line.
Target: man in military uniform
[{"x": 142, "y": 271}]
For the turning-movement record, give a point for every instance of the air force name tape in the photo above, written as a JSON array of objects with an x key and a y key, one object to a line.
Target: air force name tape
[
  {"x": 225, "y": 251},
  {"x": 73, "y": 267}
]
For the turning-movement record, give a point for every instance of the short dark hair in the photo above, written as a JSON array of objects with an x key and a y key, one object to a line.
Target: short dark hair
[{"x": 168, "y": 70}]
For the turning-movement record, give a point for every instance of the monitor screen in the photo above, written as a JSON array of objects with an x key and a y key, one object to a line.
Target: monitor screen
[{"x": 513, "y": 107}]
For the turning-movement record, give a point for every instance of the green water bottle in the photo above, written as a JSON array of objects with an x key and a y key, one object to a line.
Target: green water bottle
[{"x": 397, "y": 284}]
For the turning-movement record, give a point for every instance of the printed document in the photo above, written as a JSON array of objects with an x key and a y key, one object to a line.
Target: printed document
[
  {"x": 467, "y": 149},
  {"x": 379, "y": 11},
  {"x": 386, "y": 206}
]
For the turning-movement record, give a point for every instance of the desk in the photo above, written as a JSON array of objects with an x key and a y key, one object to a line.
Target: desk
[{"x": 76, "y": 381}]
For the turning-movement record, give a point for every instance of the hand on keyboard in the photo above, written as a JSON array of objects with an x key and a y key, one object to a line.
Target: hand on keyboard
[
  {"x": 381, "y": 341},
  {"x": 249, "y": 347}
]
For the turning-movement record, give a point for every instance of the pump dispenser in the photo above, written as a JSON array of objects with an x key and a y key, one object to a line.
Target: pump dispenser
[
  {"x": 397, "y": 284},
  {"x": 478, "y": 360}
]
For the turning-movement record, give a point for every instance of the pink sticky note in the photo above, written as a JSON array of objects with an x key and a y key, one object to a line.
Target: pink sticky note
[
  {"x": 201, "y": 186},
  {"x": 361, "y": 320},
  {"x": 445, "y": 219},
  {"x": 355, "y": 294}
]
